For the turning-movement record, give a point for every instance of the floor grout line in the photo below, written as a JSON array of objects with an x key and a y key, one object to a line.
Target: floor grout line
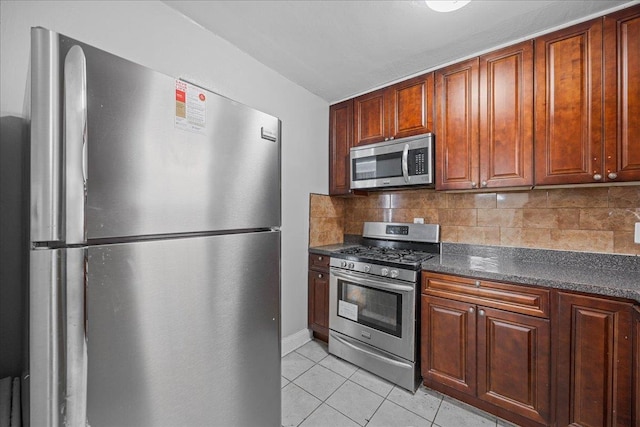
[{"x": 385, "y": 397}]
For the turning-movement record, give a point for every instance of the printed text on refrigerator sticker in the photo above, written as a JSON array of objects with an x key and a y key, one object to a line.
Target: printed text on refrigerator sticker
[{"x": 191, "y": 107}]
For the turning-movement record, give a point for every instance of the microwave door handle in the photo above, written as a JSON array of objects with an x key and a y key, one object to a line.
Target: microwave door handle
[{"x": 405, "y": 163}]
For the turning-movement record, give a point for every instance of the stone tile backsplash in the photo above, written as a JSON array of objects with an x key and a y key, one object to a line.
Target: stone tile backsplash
[{"x": 597, "y": 219}]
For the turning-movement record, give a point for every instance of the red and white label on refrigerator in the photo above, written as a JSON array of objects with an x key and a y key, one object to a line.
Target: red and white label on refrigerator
[{"x": 191, "y": 107}]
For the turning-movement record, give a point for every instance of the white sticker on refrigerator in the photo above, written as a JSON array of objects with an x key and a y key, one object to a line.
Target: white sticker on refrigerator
[
  {"x": 191, "y": 107},
  {"x": 348, "y": 310}
]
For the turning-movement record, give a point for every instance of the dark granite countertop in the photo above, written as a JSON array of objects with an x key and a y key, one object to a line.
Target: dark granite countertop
[{"x": 601, "y": 274}]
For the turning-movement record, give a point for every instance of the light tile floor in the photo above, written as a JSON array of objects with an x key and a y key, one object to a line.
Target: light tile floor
[{"x": 320, "y": 390}]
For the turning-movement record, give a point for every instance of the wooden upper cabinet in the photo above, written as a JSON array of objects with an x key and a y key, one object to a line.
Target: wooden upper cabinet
[
  {"x": 484, "y": 121},
  {"x": 411, "y": 107},
  {"x": 401, "y": 110},
  {"x": 456, "y": 143},
  {"x": 340, "y": 142},
  {"x": 568, "y": 117},
  {"x": 506, "y": 117},
  {"x": 369, "y": 118},
  {"x": 622, "y": 95}
]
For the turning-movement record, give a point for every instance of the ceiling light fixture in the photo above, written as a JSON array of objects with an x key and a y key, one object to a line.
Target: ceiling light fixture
[{"x": 446, "y": 6}]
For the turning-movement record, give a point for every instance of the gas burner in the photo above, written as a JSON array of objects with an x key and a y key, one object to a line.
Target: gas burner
[{"x": 384, "y": 254}]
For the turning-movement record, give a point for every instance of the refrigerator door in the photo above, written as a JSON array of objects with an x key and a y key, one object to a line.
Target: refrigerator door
[
  {"x": 146, "y": 154},
  {"x": 185, "y": 332}
]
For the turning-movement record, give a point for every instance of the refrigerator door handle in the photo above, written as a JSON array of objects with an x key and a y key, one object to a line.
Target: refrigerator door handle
[
  {"x": 46, "y": 388},
  {"x": 46, "y": 156},
  {"x": 76, "y": 343},
  {"x": 75, "y": 133}
]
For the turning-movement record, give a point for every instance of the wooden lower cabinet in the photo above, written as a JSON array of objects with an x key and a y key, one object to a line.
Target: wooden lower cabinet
[
  {"x": 492, "y": 358},
  {"x": 636, "y": 368},
  {"x": 594, "y": 367},
  {"x": 318, "y": 296},
  {"x": 448, "y": 356},
  {"x": 513, "y": 364}
]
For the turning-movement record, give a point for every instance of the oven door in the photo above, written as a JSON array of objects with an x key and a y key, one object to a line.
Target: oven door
[{"x": 377, "y": 311}]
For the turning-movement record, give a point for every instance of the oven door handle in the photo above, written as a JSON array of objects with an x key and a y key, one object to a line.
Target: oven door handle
[
  {"x": 378, "y": 283},
  {"x": 405, "y": 163},
  {"x": 386, "y": 359}
]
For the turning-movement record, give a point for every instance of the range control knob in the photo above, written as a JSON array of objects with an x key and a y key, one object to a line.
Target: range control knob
[
  {"x": 367, "y": 268},
  {"x": 384, "y": 271},
  {"x": 394, "y": 274},
  {"x": 343, "y": 264},
  {"x": 351, "y": 265}
]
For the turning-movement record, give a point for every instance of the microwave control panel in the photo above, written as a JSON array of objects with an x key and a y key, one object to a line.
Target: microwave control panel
[{"x": 417, "y": 162}]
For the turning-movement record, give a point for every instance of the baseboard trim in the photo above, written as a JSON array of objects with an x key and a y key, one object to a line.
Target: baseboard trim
[{"x": 296, "y": 340}]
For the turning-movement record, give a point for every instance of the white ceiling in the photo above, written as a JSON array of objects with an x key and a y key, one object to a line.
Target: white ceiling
[{"x": 339, "y": 49}]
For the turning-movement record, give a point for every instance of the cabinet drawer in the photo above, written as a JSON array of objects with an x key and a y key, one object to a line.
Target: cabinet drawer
[
  {"x": 514, "y": 298},
  {"x": 317, "y": 261}
]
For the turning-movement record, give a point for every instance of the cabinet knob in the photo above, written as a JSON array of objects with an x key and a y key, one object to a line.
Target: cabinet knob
[
  {"x": 319, "y": 258},
  {"x": 481, "y": 312},
  {"x": 484, "y": 183},
  {"x": 391, "y": 137},
  {"x": 320, "y": 276},
  {"x": 612, "y": 175},
  {"x": 597, "y": 177},
  {"x": 474, "y": 184},
  {"x": 386, "y": 139},
  {"x": 477, "y": 283},
  {"x": 471, "y": 310}
]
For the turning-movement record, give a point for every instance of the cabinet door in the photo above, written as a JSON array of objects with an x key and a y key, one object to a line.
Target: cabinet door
[
  {"x": 568, "y": 99},
  {"x": 514, "y": 362},
  {"x": 456, "y": 144},
  {"x": 318, "y": 308},
  {"x": 340, "y": 141},
  {"x": 506, "y": 117},
  {"x": 594, "y": 368},
  {"x": 448, "y": 347},
  {"x": 636, "y": 367},
  {"x": 369, "y": 118},
  {"x": 411, "y": 107},
  {"x": 622, "y": 95}
]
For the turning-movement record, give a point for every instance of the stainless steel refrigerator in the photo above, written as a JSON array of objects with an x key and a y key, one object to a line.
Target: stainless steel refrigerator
[{"x": 155, "y": 247}]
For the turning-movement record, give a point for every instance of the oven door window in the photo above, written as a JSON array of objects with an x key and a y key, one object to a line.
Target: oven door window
[{"x": 378, "y": 309}]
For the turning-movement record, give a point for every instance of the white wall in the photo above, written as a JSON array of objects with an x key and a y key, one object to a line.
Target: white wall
[{"x": 154, "y": 35}]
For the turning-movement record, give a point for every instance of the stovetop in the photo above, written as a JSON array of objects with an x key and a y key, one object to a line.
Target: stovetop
[
  {"x": 404, "y": 258},
  {"x": 395, "y": 245}
]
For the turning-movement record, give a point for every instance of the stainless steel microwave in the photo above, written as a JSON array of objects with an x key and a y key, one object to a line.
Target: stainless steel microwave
[{"x": 396, "y": 163}]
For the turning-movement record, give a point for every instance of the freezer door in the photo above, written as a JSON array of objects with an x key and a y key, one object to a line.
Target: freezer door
[
  {"x": 146, "y": 154},
  {"x": 185, "y": 332}
]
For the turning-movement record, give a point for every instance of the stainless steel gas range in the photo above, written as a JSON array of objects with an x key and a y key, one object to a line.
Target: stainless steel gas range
[{"x": 373, "y": 299}]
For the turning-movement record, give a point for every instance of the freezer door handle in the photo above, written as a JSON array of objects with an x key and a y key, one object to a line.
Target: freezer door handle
[
  {"x": 75, "y": 110},
  {"x": 46, "y": 146}
]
